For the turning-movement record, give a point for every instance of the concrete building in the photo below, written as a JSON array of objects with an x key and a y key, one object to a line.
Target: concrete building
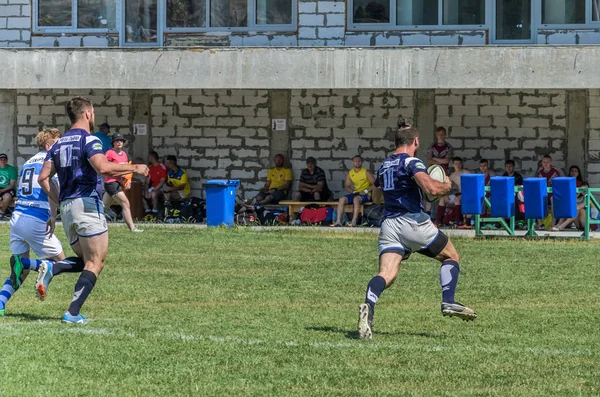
[{"x": 226, "y": 85}]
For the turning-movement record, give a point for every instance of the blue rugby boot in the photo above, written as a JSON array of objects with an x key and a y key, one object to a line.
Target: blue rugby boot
[
  {"x": 78, "y": 319},
  {"x": 43, "y": 279}
]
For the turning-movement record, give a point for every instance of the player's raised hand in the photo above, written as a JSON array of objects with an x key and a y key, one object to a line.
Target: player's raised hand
[{"x": 141, "y": 169}]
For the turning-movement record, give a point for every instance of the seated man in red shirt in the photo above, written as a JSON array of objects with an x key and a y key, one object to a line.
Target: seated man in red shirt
[{"x": 153, "y": 190}]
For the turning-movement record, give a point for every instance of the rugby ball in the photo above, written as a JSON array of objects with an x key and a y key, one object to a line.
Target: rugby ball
[{"x": 435, "y": 172}]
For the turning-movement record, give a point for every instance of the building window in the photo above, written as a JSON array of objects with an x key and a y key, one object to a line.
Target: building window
[
  {"x": 273, "y": 12},
  {"x": 463, "y": 12},
  {"x": 415, "y": 13},
  {"x": 186, "y": 14},
  {"x": 595, "y": 10},
  {"x": 141, "y": 21},
  {"x": 235, "y": 15},
  {"x": 76, "y": 15},
  {"x": 369, "y": 11},
  {"x": 563, "y": 12}
]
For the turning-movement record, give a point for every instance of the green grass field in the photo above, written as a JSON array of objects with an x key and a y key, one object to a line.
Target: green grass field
[{"x": 238, "y": 312}]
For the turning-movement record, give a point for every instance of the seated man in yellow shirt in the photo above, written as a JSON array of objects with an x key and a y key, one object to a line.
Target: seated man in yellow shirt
[
  {"x": 278, "y": 182},
  {"x": 359, "y": 185},
  {"x": 178, "y": 184}
]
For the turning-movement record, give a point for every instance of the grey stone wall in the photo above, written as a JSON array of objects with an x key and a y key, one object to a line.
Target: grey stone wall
[
  {"x": 335, "y": 125},
  {"x": 504, "y": 124},
  {"x": 320, "y": 23},
  {"x": 15, "y": 23},
  {"x": 225, "y": 134}
]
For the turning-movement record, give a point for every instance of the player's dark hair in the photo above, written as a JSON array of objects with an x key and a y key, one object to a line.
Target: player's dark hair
[
  {"x": 172, "y": 158},
  {"x": 547, "y": 156},
  {"x": 509, "y": 161},
  {"x": 406, "y": 136},
  {"x": 457, "y": 159},
  {"x": 357, "y": 156},
  {"x": 441, "y": 129},
  {"x": 154, "y": 154},
  {"x": 76, "y": 106},
  {"x": 484, "y": 161}
]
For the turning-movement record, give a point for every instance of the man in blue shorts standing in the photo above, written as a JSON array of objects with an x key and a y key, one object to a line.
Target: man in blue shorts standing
[
  {"x": 78, "y": 159},
  {"x": 407, "y": 229}
]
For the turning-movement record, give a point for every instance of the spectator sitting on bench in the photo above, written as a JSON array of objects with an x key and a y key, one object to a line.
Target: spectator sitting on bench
[
  {"x": 581, "y": 212},
  {"x": 178, "y": 184},
  {"x": 279, "y": 179},
  {"x": 453, "y": 199},
  {"x": 313, "y": 184},
  {"x": 8, "y": 180},
  {"x": 549, "y": 172},
  {"x": 155, "y": 183},
  {"x": 359, "y": 185}
]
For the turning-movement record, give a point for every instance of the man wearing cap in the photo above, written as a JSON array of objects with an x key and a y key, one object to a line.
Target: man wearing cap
[
  {"x": 102, "y": 134},
  {"x": 8, "y": 180},
  {"x": 112, "y": 185},
  {"x": 313, "y": 184}
]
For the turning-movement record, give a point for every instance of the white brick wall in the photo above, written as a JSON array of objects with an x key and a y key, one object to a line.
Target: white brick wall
[{"x": 522, "y": 125}]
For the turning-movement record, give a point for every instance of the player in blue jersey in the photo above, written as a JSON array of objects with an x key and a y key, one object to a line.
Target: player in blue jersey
[
  {"x": 79, "y": 161},
  {"x": 28, "y": 228},
  {"x": 407, "y": 228}
]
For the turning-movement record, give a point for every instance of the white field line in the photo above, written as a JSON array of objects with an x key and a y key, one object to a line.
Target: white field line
[{"x": 51, "y": 327}]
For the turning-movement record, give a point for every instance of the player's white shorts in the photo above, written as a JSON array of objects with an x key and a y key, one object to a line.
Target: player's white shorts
[
  {"x": 28, "y": 232},
  {"x": 83, "y": 217},
  {"x": 411, "y": 233}
]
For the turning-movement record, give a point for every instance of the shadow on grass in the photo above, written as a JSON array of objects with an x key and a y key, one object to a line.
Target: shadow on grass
[
  {"x": 30, "y": 317},
  {"x": 353, "y": 334}
]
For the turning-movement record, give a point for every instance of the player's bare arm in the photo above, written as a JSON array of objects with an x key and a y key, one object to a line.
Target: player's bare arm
[
  {"x": 108, "y": 168},
  {"x": 431, "y": 186},
  {"x": 348, "y": 184},
  {"x": 46, "y": 174},
  {"x": 371, "y": 179}
]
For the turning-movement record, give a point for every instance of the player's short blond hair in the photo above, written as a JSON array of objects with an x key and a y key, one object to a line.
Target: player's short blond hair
[{"x": 47, "y": 135}]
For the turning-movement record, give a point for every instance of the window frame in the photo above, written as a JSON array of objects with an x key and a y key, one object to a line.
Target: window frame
[
  {"x": 252, "y": 25},
  {"x": 73, "y": 28},
  {"x": 358, "y": 27}
]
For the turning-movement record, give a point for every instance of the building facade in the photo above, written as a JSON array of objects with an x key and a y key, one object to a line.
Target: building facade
[{"x": 211, "y": 80}]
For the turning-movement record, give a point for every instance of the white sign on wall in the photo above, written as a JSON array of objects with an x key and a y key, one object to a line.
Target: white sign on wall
[
  {"x": 139, "y": 129},
  {"x": 278, "y": 124}
]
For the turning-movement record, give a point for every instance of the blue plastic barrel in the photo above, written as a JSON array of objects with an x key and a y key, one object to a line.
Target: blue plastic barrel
[
  {"x": 536, "y": 198},
  {"x": 502, "y": 196},
  {"x": 220, "y": 201},
  {"x": 472, "y": 192},
  {"x": 564, "y": 197}
]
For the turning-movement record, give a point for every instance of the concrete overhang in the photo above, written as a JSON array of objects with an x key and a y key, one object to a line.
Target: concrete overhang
[{"x": 526, "y": 67}]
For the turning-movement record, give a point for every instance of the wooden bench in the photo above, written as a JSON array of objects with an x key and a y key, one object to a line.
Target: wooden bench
[{"x": 294, "y": 206}]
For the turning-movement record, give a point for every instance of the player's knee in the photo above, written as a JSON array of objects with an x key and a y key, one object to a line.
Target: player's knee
[
  {"x": 317, "y": 196},
  {"x": 297, "y": 196}
]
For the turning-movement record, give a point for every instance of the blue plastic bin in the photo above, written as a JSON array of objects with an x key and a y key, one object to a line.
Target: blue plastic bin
[
  {"x": 220, "y": 201},
  {"x": 502, "y": 190},
  {"x": 536, "y": 198},
  {"x": 564, "y": 196},
  {"x": 472, "y": 188}
]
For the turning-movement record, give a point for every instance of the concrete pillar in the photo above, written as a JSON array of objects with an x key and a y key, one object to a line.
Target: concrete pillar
[
  {"x": 8, "y": 135},
  {"x": 140, "y": 114},
  {"x": 424, "y": 120},
  {"x": 280, "y": 140},
  {"x": 577, "y": 134}
]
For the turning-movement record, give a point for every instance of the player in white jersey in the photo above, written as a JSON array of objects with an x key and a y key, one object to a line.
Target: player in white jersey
[{"x": 28, "y": 225}]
